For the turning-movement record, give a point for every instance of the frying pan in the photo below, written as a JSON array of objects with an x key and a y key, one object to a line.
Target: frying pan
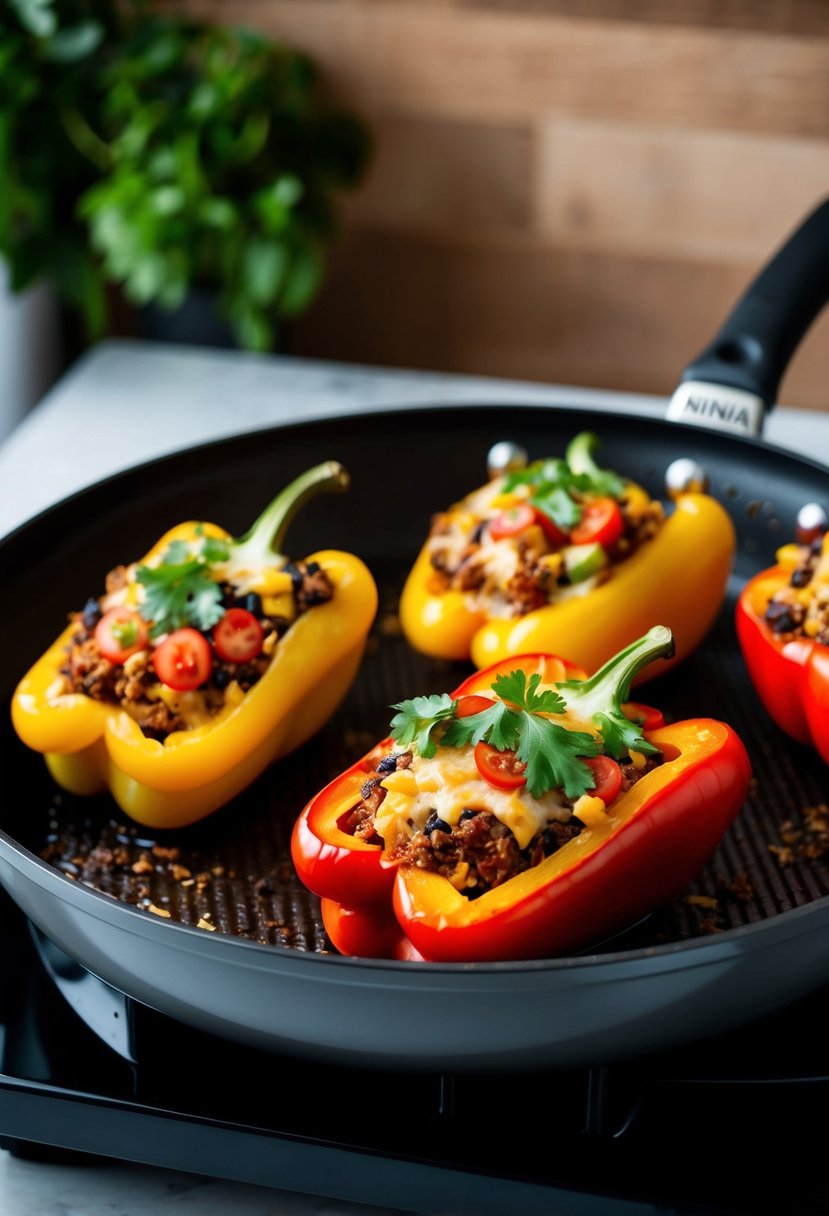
[{"x": 748, "y": 936}]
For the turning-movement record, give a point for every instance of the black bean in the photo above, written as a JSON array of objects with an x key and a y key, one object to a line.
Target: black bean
[
  {"x": 783, "y": 618},
  {"x": 801, "y": 577},
  {"x": 368, "y": 786},
  {"x": 221, "y": 678},
  {"x": 296, "y": 575},
  {"x": 313, "y": 567},
  {"x": 253, "y": 603},
  {"x": 467, "y": 815},
  {"x": 91, "y": 614},
  {"x": 435, "y": 824},
  {"x": 388, "y": 764}
]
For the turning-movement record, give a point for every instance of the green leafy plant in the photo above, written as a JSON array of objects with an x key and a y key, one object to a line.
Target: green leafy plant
[
  {"x": 197, "y": 158},
  {"x": 47, "y": 75}
]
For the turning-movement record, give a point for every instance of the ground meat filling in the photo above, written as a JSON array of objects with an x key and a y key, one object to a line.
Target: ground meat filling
[
  {"x": 134, "y": 684},
  {"x": 462, "y": 564},
  {"x": 479, "y": 853},
  {"x": 801, "y": 609}
]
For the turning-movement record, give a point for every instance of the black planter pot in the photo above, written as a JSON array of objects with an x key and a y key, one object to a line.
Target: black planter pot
[{"x": 197, "y": 321}]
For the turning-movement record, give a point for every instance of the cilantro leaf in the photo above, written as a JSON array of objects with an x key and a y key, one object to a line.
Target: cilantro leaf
[
  {"x": 551, "y": 753},
  {"x": 176, "y": 553},
  {"x": 498, "y": 725},
  {"x": 516, "y": 688},
  {"x": 418, "y": 717},
  {"x": 214, "y": 549},
  {"x": 621, "y": 736},
  {"x": 179, "y": 591},
  {"x": 558, "y": 506},
  {"x": 557, "y": 484}
]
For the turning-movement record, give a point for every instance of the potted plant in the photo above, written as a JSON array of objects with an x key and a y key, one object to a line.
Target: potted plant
[{"x": 196, "y": 167}]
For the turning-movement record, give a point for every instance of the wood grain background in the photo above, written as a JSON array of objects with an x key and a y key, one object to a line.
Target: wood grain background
[{"x": 564, "y": 191}]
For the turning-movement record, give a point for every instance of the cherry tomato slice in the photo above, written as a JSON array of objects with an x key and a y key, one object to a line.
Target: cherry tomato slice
[
  {"x": 601, "y": 523},
  {"x": 502, "y": 769},
  {"x": 183, "y": 661},
  {"x": 467, "y": 706},
  {"x": 512, "y": 521},
  {"x": 647, "y": 717},
  {"x": 607, "y": 776},
  {"x": 238, "y": 637},
  {"x": 120, "y": 633}
]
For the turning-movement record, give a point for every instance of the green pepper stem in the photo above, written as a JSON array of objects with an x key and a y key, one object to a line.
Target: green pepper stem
[
  {"x": 264, "y": 539},
  {"x": 609, "y": 687},
  {"x": 579, "y": 453}
]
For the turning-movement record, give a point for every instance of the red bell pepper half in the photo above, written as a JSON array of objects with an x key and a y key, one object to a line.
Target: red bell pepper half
[
  {"x": 631, "y": 857},
  {"x": 790, "y": 674}
]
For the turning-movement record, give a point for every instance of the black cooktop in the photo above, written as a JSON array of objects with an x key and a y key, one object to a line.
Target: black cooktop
[{"x": 731, "y": 1125}]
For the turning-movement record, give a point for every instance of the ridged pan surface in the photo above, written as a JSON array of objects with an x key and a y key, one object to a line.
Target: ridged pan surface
[{"x": 748, "y": 935}]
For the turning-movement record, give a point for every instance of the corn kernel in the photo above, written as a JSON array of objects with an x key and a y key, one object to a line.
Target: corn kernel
[
  {"x": 401, "y": 782},
  {"x": 811, "y": 628},
  {"x": 271, "y": 582},
  {"x": 788, "y": 556},
  {"x": 503, "y": 502},
  {"x": 234, "y": 693},
  {"x": 282, "y": 606},
  {"x": 638, "y": 760},
  {"x": 459, "y": 875},
  {"x": 637, "y": 499},
  {"x": 552, "y": 562},
  {"x": 591, "y": 811}
]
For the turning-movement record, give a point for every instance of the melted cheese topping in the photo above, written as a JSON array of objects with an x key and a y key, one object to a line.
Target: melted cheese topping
[{"x": 450, "y": 783}]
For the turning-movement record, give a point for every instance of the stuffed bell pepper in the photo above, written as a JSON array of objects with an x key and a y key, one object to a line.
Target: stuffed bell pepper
[
  {"x": 200, "y": 664},
  {"x": 564, "y": 556},
  {"x": 530, "y": 813},
  {"x": 782, "y": 620}
]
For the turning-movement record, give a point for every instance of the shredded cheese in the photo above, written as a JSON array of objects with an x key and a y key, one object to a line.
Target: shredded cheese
[{"x": 448, "y": 784}]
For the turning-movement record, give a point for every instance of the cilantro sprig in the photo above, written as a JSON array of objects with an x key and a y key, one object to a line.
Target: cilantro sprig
[
  {"x": 180, "y": 591},
  {"x": 184, "y": 588},
  {"x": 558, "y": 485},
  {"x": 417, "y": 719},
  {"x": 519, "y": 720},
  {"x": 552, "y": 753}
]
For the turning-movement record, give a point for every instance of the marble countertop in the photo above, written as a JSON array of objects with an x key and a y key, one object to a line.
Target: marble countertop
[{"x": 127, "y": 402}]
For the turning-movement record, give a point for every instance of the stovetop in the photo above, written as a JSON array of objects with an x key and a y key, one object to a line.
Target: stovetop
[{"x": 729, "y": 1125}]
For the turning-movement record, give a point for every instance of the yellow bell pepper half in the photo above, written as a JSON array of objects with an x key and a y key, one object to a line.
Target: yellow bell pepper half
[
  {"x": 678, "y": 577},
  {"x": 93, "y": 745}
]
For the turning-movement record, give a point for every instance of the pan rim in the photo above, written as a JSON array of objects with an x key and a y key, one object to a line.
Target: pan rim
[
  {"x": 397, "y": 410},
  {"x": 707, "y": 947}
]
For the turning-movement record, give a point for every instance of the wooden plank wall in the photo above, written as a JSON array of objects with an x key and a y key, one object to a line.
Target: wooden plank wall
[{"x": 564, "y": 191}]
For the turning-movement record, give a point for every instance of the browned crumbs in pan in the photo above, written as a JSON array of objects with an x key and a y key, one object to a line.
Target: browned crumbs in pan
[{"x": 806, "y": 841}]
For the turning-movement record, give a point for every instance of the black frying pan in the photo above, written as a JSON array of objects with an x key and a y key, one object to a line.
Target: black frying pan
[{"x": 749, "y": 935}]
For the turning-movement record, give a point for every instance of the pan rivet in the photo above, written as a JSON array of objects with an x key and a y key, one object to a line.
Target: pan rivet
[
  {"x": 685, "y": 476},
  {"x": 812, "y": 522},
  {"x": 505, "y": 457}
]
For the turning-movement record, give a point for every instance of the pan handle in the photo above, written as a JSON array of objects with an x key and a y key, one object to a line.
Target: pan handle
[{"x": 731, "y": 384}]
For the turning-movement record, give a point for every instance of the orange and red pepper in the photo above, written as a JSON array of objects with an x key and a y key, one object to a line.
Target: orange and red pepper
[
  {"x": 789, "y": 673},
  {"x": 630, "y": 857}
]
